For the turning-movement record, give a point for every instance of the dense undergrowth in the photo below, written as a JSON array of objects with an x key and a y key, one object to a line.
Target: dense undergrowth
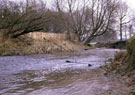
[
  {"x": 131, "y": 53},
  {"x": 122, "y": 67},
  {"x": 27, "y": 46},
  {"x": 125, "y": 59}
]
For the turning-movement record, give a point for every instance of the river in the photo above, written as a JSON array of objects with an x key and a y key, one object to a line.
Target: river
[{"x": 47, "y": 74}]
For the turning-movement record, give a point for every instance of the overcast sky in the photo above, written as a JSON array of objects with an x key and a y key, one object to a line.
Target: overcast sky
[{"x": 131, "y": 3}]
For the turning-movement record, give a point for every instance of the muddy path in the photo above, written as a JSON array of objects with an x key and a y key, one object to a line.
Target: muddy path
[{"x": 52, "y": 75}]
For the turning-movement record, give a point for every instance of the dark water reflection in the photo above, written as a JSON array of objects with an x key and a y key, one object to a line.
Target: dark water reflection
[{"x": 51, "y": 75}]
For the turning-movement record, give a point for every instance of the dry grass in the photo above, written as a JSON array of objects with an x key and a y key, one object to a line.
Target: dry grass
[
  {"x": 27, "y": 46},
  {"x": 52, "y": 46},
  {"x": 14, "y": 46}
]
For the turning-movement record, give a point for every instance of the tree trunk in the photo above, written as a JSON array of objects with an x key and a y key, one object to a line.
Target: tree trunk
[
  {"x": 125, "y": 34},
  {"x": 121, "y": 31},
  {"x": 130, "y": 31},
  {"x": 89, "y": 40},
  {"x": 17, "y": 35}
]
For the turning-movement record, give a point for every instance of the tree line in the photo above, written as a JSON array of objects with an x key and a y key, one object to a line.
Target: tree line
[{"x": 88, "y": 19}]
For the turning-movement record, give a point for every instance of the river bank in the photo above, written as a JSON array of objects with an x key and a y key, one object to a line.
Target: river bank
[
  {"x": 28, "y": 46},
  {"x": 122, "y": 67},
  {"x": 120, "y": 72}
]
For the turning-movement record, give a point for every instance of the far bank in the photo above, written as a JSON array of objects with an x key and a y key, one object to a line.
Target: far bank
[{"x": 27, "y": 46}]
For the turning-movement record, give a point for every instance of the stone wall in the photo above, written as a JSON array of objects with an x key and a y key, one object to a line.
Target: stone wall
[{"x": 42, "y": 36}]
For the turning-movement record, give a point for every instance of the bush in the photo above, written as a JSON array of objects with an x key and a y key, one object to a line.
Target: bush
[
  {"x": 131, "y": 53},
  {"x": 120, "y": 55}
]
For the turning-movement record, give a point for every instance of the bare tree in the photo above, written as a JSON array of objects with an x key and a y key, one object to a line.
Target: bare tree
[
  {"x": 122, "y": 17},
  {"x": 131, "y": 26},
  {"x": 64, "y": 16},
  {"x": 76, "y": 10},
  {"x": 102, "y": 17},
  {"x": 73, "y": 15},
  {"x": 21, "y": 18},
  {"x": 89, "y": 19}
]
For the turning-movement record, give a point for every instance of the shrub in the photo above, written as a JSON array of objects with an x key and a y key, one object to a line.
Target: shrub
[
  {"x": 131, "y": 53},
  {"x": 119, "y": 55}
]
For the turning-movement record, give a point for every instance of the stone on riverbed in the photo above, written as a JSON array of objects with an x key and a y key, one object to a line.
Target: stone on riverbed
[
  {"x": 67, "y": 61},
  {"x": 89, "y": 65}
]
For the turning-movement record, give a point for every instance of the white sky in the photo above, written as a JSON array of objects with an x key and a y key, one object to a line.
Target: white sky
[{"x": 131, "y": 3}]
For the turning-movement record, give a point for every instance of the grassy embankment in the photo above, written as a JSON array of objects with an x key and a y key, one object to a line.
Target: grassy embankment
[
  {"x": 27, "y": 46},
  {"x": 122, "y": 67}
]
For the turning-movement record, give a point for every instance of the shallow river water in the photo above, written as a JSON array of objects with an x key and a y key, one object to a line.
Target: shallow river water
[{"x": 52, "y": 75}]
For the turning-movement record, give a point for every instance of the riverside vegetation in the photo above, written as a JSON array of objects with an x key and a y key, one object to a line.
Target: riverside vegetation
[{"x": 122, "y": 67}]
